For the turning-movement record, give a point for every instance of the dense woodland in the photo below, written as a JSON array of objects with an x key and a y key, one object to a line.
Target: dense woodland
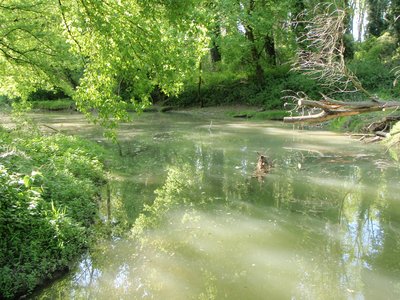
[{"x": 114, "y": 56}]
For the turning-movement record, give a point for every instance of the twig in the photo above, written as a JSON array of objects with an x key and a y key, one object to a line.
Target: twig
[{"x": 56, "y": 130}]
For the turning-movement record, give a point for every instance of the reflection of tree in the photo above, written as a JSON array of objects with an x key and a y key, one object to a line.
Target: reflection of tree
[
  {"x": 363, "y": 240},
  {"x": 319, "y": 222},
  {"x": 385, "y": 260}
]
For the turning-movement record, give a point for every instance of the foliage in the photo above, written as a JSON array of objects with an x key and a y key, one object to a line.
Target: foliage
[
  {"x": 48, "y": 191},
  {"x": 110, "y": 56},
  {"x": 374, "y": 62},
  {"x": 393, "y": 141},
  {"x": 58, "y": 104},
  {"x": 158, "y": 45},
  {"x": 34, "y": 53},
  {"x": 180, "y": 188},
  {"x": 221, "y": 88},
  {"x": 247, "y": 26},
  {"x": 138, "y": 45}
]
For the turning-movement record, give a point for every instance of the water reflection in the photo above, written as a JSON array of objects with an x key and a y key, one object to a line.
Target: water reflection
[{"x": 324, "y": 223}]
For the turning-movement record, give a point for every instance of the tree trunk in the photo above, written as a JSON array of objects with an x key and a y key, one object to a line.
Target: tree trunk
[
  {"x": 269, "y": 47},
  {"x": 395, "y": 19},
  {"x": 376, "y": 13},
  {"x": 361, "y": 10},
  {"x": 255, "y": 54},
  {"x": 214, "y": 51},
  {"x": 331, "y": 109},
  {"x": 200, "y": 81}
]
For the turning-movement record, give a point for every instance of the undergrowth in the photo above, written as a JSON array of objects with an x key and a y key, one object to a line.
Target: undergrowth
[
  {"x": 58, "y": 104},
  {"x": 49, "y": 186},
  {"x": 217, "y": 89}
]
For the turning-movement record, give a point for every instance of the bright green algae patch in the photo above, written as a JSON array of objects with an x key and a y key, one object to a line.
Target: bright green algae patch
[{"x": 49, "y": 187}]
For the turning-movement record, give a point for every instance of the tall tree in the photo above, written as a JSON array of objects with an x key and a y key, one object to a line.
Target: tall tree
[
  {"x": 249, "y": 33},
  {"x": 377, "y": 10},
  {"x": 395, "y": 18},
  {"x": 253, "y": 33}
]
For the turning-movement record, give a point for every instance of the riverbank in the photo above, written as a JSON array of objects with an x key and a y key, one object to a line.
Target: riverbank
[{"x": 50, "y": 189}]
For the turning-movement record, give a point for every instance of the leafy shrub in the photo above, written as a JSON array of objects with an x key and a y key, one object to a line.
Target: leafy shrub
[
  {"x": 59, "y": 104},
  {"x": 44, "y": 215},
  {"x": 373, "y": 74},
  {"x": 373, "y": 64}
]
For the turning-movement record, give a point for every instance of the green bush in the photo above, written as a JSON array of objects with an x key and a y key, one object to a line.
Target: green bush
[
  {"x": 48, "y": 191},
  {"x": 59, "y": 104},
  {"x": 373, "y": 74},
  {"x": 4, "y": 103},
  {"x": 373, "y": 65}
]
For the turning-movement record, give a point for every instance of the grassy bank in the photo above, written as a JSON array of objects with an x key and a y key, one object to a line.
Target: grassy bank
[{"x": 49, "y": 188}]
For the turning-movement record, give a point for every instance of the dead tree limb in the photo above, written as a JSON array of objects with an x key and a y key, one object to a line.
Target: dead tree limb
[
  {"x": 330, "y": 109},
  {"x": 52, "y": 128},
  {"x": 322, "y": 58}
]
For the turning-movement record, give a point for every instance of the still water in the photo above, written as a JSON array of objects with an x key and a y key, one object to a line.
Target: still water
[{"x": 190, "y": 221}]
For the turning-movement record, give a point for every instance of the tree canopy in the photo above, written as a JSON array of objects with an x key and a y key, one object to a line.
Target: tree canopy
[{"x": 110, "y": 55}]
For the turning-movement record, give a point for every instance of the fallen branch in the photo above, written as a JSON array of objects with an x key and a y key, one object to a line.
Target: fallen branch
[
  {"x": 375, "y": 139},
  {"x": 331, "y": 109},
  {"x": 52, "y": 128},
  {"x": 382, "y": 134}
]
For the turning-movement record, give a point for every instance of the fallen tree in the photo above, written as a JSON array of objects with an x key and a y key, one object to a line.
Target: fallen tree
[
  {"x": 327, "y": 109},
  {"x": 322, "y": 58}
]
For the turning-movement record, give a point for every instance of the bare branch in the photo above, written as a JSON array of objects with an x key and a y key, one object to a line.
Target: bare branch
[
  {"x": 322, "y": 58},
  {"x": 330, "y": 109}
]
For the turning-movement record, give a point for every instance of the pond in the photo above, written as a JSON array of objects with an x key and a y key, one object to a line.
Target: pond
[{"x": 190, "y": 220}]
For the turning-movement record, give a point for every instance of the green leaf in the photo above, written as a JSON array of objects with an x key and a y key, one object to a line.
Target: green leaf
[{"x": 27, "y": 181}]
